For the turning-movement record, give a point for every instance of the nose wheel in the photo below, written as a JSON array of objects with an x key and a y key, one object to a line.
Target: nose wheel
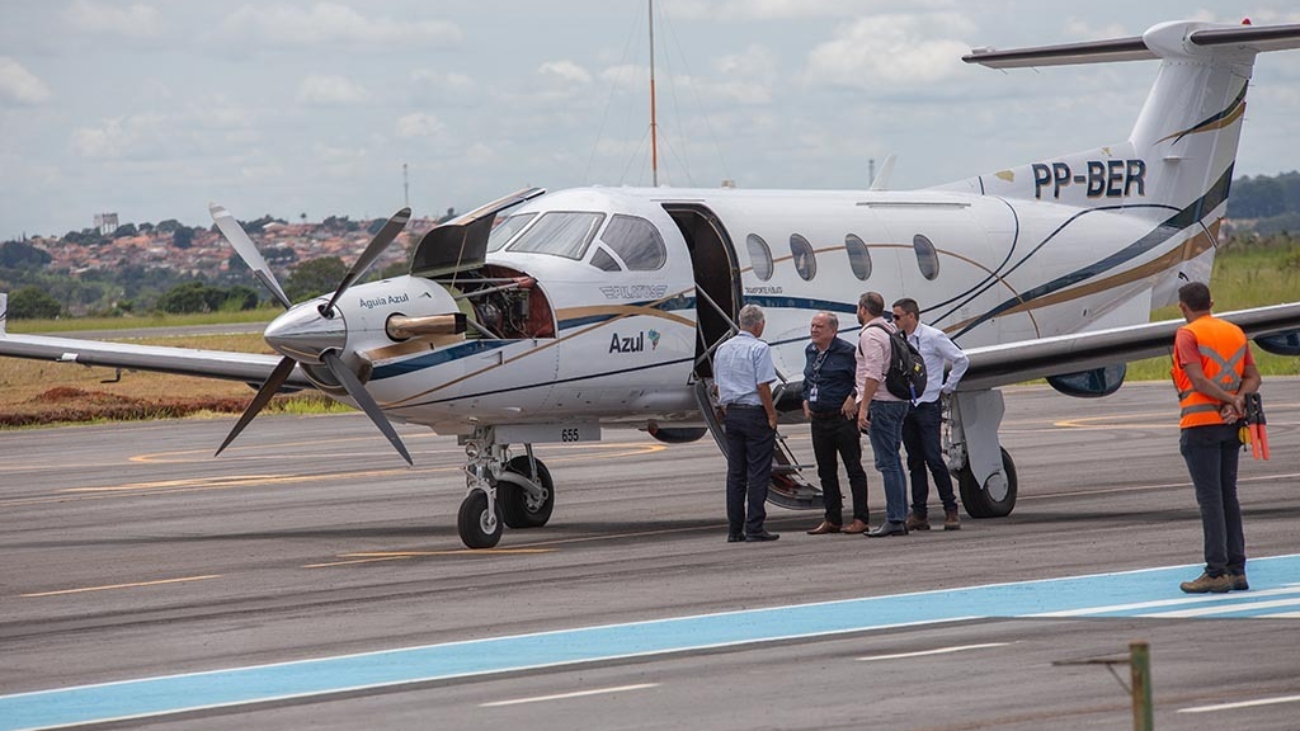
[{"x": 477, "y": 521}]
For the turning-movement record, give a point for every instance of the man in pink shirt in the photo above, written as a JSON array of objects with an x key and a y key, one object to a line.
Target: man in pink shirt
[{"x": 880, "y": 413}]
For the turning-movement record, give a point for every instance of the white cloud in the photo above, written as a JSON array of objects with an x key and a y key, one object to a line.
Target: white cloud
[
  {"x": 418, "y": 125},
  {"x": 891, "y": 50},
  {"x": 332, "y": 23},
  {"x": 20, "y": 85},
  {"x": 442, "y": 80},
  {"x": 762, "y": 10},
  {"x": 134, "y": 21},
  {"x": 206, "y": 128},
  {"x": 330, "y": 91},
  {"x": 564, "y": 71},
  {"x": 755, "y": 60}
]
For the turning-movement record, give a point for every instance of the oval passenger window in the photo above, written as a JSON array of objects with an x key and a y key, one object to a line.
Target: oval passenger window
[
  {"x": 859, "y": 257},
  {"x": 926, "y": 256},
  {"x": 760, "y": 257},
  {"x": 804, "y": 261}
]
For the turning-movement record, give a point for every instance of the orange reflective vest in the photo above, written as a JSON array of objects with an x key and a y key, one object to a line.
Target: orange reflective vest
[{"x": 1223, "y": 348}]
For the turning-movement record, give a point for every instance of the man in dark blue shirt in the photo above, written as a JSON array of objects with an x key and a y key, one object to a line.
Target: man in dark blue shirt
[{"x": 829, "y": 402}]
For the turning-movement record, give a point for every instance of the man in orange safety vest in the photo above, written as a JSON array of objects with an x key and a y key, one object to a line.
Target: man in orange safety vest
[{"x": 1213, "y": 371}]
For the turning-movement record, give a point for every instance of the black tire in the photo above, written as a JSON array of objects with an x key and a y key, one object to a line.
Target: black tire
[
  {"x": 516, "y": 509},
  {"x": 977, "y": 502},
  {"x": 478, "y": 527}
]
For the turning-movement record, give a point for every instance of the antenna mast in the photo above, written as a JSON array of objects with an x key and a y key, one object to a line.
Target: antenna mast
[{"x": 654, "y": 123}]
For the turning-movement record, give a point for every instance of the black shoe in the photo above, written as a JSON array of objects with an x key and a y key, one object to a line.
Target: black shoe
[
  {"x": 735, "y": 538},
  {"x": 759, "y": 537},
  {"x": 888, "y": 528}
]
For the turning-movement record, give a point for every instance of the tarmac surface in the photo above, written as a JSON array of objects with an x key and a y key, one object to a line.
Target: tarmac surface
[{"x": 307, "y": 578}]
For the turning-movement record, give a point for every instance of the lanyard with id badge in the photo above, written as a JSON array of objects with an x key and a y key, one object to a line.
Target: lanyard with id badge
[{"x": 817, "y": 374}]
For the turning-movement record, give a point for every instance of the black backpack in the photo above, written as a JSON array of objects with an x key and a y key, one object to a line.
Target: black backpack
[{"x": 905, "y": 377}]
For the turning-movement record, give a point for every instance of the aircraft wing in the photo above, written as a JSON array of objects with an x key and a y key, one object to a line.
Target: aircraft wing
[
  {"x": 246, "y": 367},
  {"x": 1000, "y": 365}
]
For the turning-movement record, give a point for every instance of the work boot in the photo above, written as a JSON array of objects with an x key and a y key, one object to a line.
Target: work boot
[
  {"x": 917, "y": 522},
  {"x": 1206, "y": 583},
  {"x": 950, "y": 519},
  {"x": 1239, "y": 582}
]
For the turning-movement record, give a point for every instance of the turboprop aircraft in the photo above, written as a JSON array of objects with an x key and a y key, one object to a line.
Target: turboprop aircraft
[{"x": 547, "y": 317}]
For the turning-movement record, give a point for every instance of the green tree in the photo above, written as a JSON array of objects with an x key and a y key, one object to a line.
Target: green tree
[
  {"x": 315, "y": 277},
  {"x": 18, "y": 255},
  {"x": 30, "y": 303},
  {"x": 192, "y": 297},
  {"x": 183, "y": 238},
  {"x": 240, "y": 297}
]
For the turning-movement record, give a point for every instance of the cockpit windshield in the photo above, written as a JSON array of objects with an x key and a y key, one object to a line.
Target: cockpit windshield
[
  {"x": 506, "y": 230},
  {"x": 560, "y": 233}
]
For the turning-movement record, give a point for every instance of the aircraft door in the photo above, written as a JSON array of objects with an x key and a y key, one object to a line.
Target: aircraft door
[{"x": 717, "y": 278}]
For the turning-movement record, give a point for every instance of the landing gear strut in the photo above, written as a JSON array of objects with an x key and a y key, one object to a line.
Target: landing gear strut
[
  {"x": 501, "y": 491},
  {"x": 986, "y": 475}
]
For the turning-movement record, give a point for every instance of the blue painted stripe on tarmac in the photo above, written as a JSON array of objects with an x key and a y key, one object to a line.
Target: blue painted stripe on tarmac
[{"x": 1104, "y": 593}]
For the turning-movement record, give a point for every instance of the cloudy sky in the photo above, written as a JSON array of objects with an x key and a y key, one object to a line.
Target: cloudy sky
[{"x": 153, "y": 108}]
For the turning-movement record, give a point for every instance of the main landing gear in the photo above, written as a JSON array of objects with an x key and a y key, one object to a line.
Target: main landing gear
[
  {"x": 501, "y": 491},
  {"x": 986, "y": 476}
]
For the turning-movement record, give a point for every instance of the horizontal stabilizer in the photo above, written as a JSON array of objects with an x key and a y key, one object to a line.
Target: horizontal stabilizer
[{"x": 1135, "y": 48}]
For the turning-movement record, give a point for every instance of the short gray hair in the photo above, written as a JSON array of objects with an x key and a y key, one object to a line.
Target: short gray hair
[
  {"x": 831, "y": 319},
  {"x": 750, "y": 317}
]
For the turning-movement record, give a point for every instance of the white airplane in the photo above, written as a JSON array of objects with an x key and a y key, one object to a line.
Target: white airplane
[{"x": 545, "y": 317}]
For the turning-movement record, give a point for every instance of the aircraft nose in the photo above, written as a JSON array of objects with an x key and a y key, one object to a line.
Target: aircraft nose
[{"x": 303, "y": 333}]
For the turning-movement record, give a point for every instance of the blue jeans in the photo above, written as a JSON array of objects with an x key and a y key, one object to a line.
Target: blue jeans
[
  {"x": 750, "y": 443},
  {"x": 886, "y": 436},
  {"x": 1211, "y": 454},
  {"x": 922, "y": 437}
]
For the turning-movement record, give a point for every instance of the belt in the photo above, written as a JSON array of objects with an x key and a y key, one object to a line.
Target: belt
[
  {"x": 741, "y": 406},
  {"x": 826, "y": 415}
]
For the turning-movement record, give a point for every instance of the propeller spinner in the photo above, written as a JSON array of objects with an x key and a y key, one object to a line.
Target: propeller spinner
[{"x": 309, "y": 334}]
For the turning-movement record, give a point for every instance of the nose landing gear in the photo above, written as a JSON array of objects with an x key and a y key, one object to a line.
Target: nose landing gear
[{"x": 501, "y": 491}]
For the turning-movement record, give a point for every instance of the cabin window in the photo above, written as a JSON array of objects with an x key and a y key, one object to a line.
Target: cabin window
[
  {"x": 602, "y": 260},
  {"x": 926, "y": 257},
  {"x": 560, "y": 233},
  {"x": 804, "y": 261},
  {"x": 859, "y": 257},
  {"x": 636, "y": 241},
  {"x": 760, "y": 257},
  {"x": 505, "y": 229}
]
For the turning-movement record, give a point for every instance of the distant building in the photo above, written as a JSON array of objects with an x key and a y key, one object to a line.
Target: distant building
[{"x": 106, "y": 223}]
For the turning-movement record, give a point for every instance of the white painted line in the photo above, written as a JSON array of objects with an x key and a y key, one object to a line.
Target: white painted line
[
  {"x": 1241, "y": 704},
  {"x": 1224, "y": 609},
  {"x": 1192, "y": 599},
  {"x": 938, "y": 651},
  {"x": 1279, "y": 615},
  {"x": 563, "y": 696}
]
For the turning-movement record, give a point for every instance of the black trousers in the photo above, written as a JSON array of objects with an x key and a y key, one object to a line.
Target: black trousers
[
  {"x": 750, "y": 443},
  {"x": 922, "y": 439},
  {"x": 839, "y": 436},
  {"x": 1211, "y": 453}
]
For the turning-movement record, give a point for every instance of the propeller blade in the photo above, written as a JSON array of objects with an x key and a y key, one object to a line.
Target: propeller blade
[
  {"x": 264, "y": 394},
  {"x": 362, "y": 397},
  {"x": 372, "y": 252},
  {"x": 247, "y": 251}
]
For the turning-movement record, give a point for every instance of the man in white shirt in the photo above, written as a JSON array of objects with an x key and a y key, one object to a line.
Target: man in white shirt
[
  {"x": 743, "y": 372},
  {"x": 921, "y": 428}
]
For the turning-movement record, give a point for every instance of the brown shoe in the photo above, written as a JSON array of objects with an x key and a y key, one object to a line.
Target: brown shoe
[
  {"x": 1206, "y": 583},
  {"x": 950, "y": 519},
  {"x": 916, "y": 522},
  {"x": 823, "y": 528},
  {"x": 857, "y": 526},
  {"x": 1239, "y": 582}
]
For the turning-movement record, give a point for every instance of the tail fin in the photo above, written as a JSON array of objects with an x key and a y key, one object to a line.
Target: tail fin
[{"x": 1177, "y": 162}]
